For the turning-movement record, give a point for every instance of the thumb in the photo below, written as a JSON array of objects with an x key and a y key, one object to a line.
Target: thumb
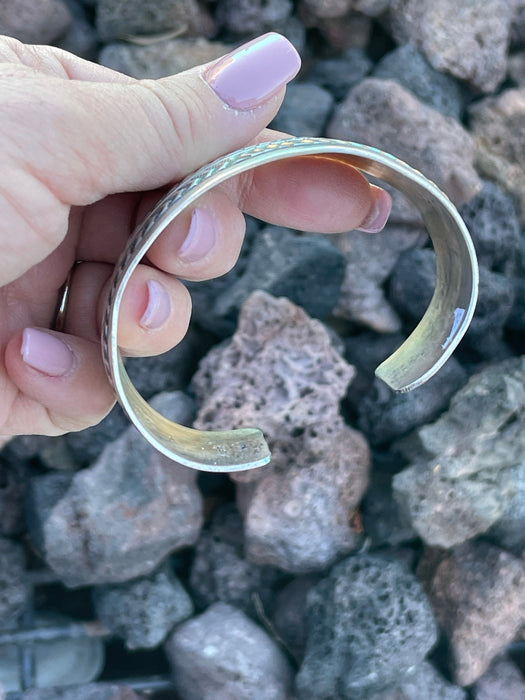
[{"x": 140, "y": 135}]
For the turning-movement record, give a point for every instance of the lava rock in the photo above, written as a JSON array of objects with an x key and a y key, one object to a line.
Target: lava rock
[
  {"x": 408, "y": 67},
  {"x": 115, "y": 18},
  {"x": 80, "y": 38},
  {"x": 307, "y": 270},
  {"x": 85, "y": 446},
  {"x": 436, "y": 145},
  {"x": 385, "y": 415},
  {"x": 469, "y": 40},
  {"x": 383, "y": 520},
  {"x": 39, "y": 23},
  {"x": 369, "y": 623},
  {"x": 461, "y": 481},
  {"x": 518, "y": 24},
  {"x": 145, "y": 610},
  {"x": 222, "y": 653},
  {"x": 14, "y": 590},
  {"x": 477, "y": 597},
  {"x": 325, "y": 9},
  {"x": 220, "y": 572},
  {"x": 423, "y": 681},
  {"x": 90, "y": 691},
  {"x": 13, "y": 485},
  {"x": 281, "y": 372},
  {"x": 339, "y": 75},
  {"x": 288, "y": 615},
  {"x": 161, "y": 58},
  {"x": 253, "y": 16},
  {"x": 498, "y": 128},
  {"x": 493, "y": 221},
  {"x": 501, "y": 680},
  {"x": 517, "y": 67},
  {"x": 508, "y": 531},
  {"x": 353, "y": 30},
  {"x": 305, "y": 110},
  {"x": 370, "y": 260},
  {"x": 119, "y": 518}
]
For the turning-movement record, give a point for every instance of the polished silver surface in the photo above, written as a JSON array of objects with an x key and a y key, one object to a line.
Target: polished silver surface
[{"x": 423, "y": 353}]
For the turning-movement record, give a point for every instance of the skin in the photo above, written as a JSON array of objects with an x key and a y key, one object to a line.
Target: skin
[{"x": 85, "y": 152}]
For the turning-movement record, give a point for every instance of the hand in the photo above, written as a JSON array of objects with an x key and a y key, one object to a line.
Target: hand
[{"x": 85, "y": 153}]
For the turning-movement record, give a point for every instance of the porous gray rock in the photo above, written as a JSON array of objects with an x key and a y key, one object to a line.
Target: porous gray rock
[
  {"x": 145, "y": 610},
  {"x": 369, "y": 623},
  {"x": 477, "y": 596},
  {"x": 281, "y": 373},
  {"x": 220, "y": 572},
  {"x": 14, "y": 590},
  {"x": 305, "y": 110},
  {"x": 423, "y": 681},
  {"x": 501, "y": 680},
  {"x": 90, "y": 691},
  {"x": 289, "y": 614},
  {"x": 222, "y": 653},
  {"x": 385, "y": 415},
  {"x": 436, "y": 145},
  {"x": 369, "y": 261},
  {"x": 498, "y": 128},
  {"x": 307, "y": 270},
  {"x": 468, "y": 39},
  {"x": 34, "y": 23},
  {"x": 117, "y": 18},
  {"x": 253, "y": 16},
  {"x": 493, "y": 221},
  {"x": 508, "y": 531},
  {"x": 161, "y": 58},
  {"x": 340, "y": 74},
  {"x": 119, "y": 518},
  {"x": 406, "y": 65},
  {"x": 460, "y": 480},
  {"x": 384, "y": 521}
]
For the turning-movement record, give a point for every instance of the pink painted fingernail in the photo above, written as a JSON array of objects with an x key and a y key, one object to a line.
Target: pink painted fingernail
[
  {"x": 201, "y": 236},
  {"x": 158, "y": 308},
  {"x": 379, "y": 212},
  {"x": 46, "y": 353},
  {"x": 253, "y": 73}
]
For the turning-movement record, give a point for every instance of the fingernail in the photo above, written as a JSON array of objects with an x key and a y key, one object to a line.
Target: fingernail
[
  {"x": 46, "y": 353},
  {"x": 158, "y": 308},
  {"x": 379, "y": 212},
  {"x": 201, "y": 236},
  {"x": 253, "y": 73}
]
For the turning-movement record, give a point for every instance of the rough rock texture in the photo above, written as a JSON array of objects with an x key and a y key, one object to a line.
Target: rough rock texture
[
  {"x": 420, "y": 682},
  {"x": 493, "y": 221},
  {"x": 85, "y": 446},
  {"x": 160, "y": 59},
  {"x": 288, "y": 614},
  {"x": 119, "y": 518},
  {"x": 117, "y": 18},
  {"x": 461, "y": 481},
  {"x": 145, "y": 610},
  {"x": 34, "y": 23},
  {"x": 477, "y": 597},
  {"x": 305, "y": 110},
  {"x": 412, "y": 285},
  {"x": 281, "y": 373},
  {"x": 517, "y": 68},
  {"x": 469, "y": 39},
  {"x": 91, "y": 691},
  {"x": 369, "y": 623},
  {"x": 352, "y": 30},
  {"x": 429, "y": 141},
  {"x": 384, "y": 521},
  {"x": 223, "y": 654},
  {"x": 13, "y": 588},
  {"x": 220, "y": 572},
  {"x": 502, "y": 680},
  {"x": 498, "y": 128},
  {"x": 508, "y": 531},
  {"x": 370, "y": 260},
  {"x": 385, "y": 415},
  {"x": 408, "y": 67},
  {"x": 307, "y": 270},
  {"x": 340, "y": 74},
  {"x": 253, "y": 16}
]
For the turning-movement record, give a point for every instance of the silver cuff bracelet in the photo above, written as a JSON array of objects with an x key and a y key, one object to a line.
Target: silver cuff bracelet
[{"x": 423, "y": 353}]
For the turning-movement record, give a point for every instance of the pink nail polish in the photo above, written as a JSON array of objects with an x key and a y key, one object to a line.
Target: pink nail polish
[
  {"x": 46, "y": 353},
  {"x": 380, "y": 211},
  {"x": 253, "y": 73},
  {"x": 201, "y": 236},
  {"x": 158, "y": 308}
]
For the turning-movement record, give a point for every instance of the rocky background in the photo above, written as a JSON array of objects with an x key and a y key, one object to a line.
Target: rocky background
[{"x": 381, "y": 555}]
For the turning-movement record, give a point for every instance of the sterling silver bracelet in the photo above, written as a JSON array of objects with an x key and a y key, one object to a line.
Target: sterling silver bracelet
[{"x": 423, "y": 353}]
